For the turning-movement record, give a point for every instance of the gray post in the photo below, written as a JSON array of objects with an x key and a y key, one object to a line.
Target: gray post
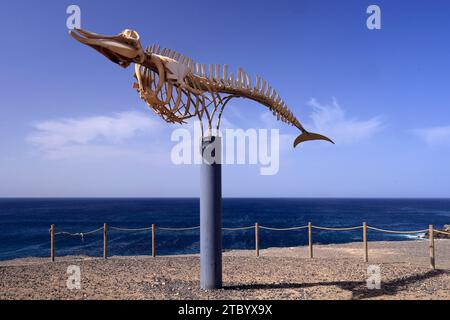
[{"x": 211, "y": 214}]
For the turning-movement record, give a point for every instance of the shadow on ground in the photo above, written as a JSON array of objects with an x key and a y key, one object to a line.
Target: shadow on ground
[{"x": 358, "y": 289}]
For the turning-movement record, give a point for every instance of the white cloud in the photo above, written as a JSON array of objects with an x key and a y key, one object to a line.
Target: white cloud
[
  {"x": 67, "y": 137},
  {"x": 332, "y": 121},
  {"x": 434, "y": 135},
  {"x": 286, "y": 139}
]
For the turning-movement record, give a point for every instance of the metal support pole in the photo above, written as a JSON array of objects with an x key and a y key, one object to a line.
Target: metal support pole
[{"x": 211, "y": 214}]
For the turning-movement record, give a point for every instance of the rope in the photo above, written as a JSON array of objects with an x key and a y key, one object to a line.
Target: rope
[
  {"x": 129, "y": 229},
  {"x": 82, "y": 234},
  {"x": 284, "y": 229},
  {"x": 398, "y": 232},
  {"x": 179, "y": 229},
  {"x": 337, "y": 229},
  {"x": 78, "y": 234},
  {"x": 236, "y": 229}
]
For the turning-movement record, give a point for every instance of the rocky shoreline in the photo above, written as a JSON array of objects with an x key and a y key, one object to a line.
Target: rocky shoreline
[{"x": 439, "y": 235}]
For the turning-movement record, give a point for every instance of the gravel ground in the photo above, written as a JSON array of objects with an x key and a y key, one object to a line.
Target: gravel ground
[{"x": 336, "y": 272}]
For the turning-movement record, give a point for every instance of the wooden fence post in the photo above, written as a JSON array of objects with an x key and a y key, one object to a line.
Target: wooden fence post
[
  {"x": 257, "y": 239},
  {"x": 431, "y": 236},
  {"x": 310, "y": 240},
  {"x": 366, "y": 247},
  {"x": 153, "y": 241},
  {"x": 105, "y": 252},
  {"x": 52, "y": 242}
]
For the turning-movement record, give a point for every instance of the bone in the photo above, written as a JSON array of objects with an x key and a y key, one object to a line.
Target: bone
[
  {"x": 258, "y": 83},
  {"x": 231, "y": 80},
  {"x": 197, "y": 69},
  {"x": 239, "y": 77},
  {"x": 244, "y": 79},
  {"x": 257, "y": 89},
  {"x": 211, "y": 72},
  {"x": 268, "y": 91},
  {"x": 203, "y": 70},
  {"x": 249, "y": 81},
  {"x": 217, "y": 75},
  {"x": 225, "y": 72}
]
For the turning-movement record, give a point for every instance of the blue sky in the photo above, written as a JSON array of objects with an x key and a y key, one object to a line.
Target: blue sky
[{"x": 71, "y": 124}]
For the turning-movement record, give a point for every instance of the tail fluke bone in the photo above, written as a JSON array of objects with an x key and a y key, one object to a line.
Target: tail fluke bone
[{"x": 309, "y": 136}]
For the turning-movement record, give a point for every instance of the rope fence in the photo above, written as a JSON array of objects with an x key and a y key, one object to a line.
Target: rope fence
[
  {"x": 431, "y": 231},
  {"x": 397, "y": 232},
  {"x": 337, "y": 229},
  {"x": 179, "y": 229},
  {"x": 130, "y": 230},
  {"x": 238, "y": 229},
  {"x": 283, "y": 229}
]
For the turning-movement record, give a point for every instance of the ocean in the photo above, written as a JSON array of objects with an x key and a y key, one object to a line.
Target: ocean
[{"x": 25, "y": 223}]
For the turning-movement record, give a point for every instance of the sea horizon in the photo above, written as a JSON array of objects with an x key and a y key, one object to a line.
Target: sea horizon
[{"x": 300, "y": 198}]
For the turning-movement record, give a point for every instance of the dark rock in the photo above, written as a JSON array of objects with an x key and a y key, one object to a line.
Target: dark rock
[{"x": 439, "y": 235}]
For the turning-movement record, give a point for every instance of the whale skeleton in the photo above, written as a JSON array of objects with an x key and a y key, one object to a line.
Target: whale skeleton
[{"x": 177, "y": 88}]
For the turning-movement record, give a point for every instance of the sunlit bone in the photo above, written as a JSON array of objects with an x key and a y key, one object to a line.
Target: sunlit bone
[{"x": 166, "y": 81}]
